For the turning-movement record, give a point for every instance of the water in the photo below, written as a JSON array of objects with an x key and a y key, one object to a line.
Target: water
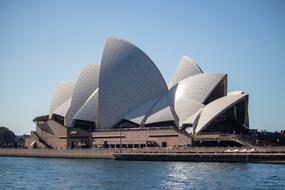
[{"x": 39, "y": 173}]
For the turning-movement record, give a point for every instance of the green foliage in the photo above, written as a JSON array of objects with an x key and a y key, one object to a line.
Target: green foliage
[
  {"x": 7, "y": 138},
  {"x": 20, "y": 140}
]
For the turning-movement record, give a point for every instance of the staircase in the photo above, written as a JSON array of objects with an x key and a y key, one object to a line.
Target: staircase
[
  {"x": 40, "y": 139},
  {"x": 224, "y": 137}
]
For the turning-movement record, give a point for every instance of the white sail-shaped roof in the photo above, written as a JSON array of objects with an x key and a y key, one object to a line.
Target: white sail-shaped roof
[
  {"x": 161, "y": 111},
  {"x": 63, "y": 92},
  {"x": 62, "y": 109},
  {"x": 193, "y": 119},
  {"x": 190, "y": 124},
  {"x": 86, "y": 84},
  {"x": 88, "y": 112},
  {"x": 186, "y": 68},
  {"x": 199, "y": 87},
  {"x": 216, "y": 108},
  {"x": 138, "y": 115},
  {"x": 128, "y": 78},
  {"x": 190, "y": 94},
  {"x": 235, "y": 92},
  {"x": 185, "y": 108}
]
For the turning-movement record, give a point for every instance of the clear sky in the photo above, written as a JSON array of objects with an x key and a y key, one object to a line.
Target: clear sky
[{"x": 45, "y": 42}]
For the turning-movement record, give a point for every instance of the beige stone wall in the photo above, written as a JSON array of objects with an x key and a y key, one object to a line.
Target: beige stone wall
[
  {"x": 60, "y": 137},
  {"x": 56, "y": 139},
  {"x": 130, "y": 137},
  {"x": 33, "y": 142},
  {"x": 140, "y": 136}
]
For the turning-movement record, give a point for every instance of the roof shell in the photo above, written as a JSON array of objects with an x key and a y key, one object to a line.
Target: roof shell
[
  {"x": 216, "y": 108},
  {"x": 139, "y": 114},
  {"x": 62, "y": 109},
  {"x": 185, "y": 108},
  {"x": 86, "y": 84},
  {"x": 88, "y": 112},
  {"x": 193, "y": 119},
  {"x": 186, "y": 68},
  {"x": 63, "y": 92},
  {"x": 235, "y": 92},
  {"x": 198, "y": 87},
  {"x": 128, "y": 78},
  {"x": 161, "y": 111}
]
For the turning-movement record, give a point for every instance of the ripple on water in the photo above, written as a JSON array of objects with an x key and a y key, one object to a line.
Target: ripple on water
[{"x": 36, "y": 173}]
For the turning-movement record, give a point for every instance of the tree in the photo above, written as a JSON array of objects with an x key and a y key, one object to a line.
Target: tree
[{"x": 7, "y": 138}]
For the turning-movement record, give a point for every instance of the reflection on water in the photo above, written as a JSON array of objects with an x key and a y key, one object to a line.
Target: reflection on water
[{"x": 36, "y": 173}]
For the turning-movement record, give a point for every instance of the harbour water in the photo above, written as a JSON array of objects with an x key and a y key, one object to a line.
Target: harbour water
[{"x": 48, "y": 173}]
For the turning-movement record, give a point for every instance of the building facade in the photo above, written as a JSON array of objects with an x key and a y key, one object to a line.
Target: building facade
[{"x": 125, "y": 102}]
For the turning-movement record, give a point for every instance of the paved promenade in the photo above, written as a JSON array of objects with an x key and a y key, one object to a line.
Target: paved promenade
[
  {"x": 256, "y": 154},
  {"x": 51, "y": 153}
]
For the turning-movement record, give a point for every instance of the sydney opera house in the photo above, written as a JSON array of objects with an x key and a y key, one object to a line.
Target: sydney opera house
[{"x": 125, "y": 103}]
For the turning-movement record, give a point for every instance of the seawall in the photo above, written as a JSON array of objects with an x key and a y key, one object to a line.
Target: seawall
[
  {"x": 194, "y": 154},
  {"x": 51, "y": 153},
  {"x": 204, "y": 157}
]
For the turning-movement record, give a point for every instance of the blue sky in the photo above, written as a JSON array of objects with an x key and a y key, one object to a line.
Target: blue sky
[{"x": 45, "y": 42}]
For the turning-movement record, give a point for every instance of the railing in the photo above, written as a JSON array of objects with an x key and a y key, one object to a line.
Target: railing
[
  {"x": 206, "y": 150},
  {"x": 136, "y": 129}
]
